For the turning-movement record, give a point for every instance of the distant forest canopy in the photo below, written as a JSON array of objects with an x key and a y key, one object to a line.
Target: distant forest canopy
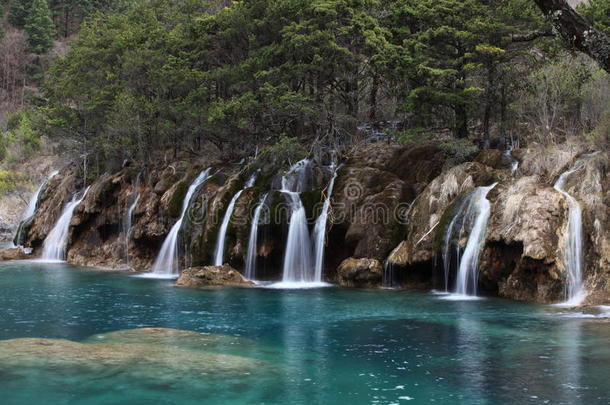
[{"x": 144, "y": 79}]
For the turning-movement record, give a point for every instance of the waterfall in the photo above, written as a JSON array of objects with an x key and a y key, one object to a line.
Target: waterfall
[
  {"x": 388, "y": 275},
  {"x": 222, "y": 233},
  {"x": 514, "y": 162},
  {"x": 253, "y": 240},
  {"x": 474, "y": 211},
  {"x": 166, "y": 264},
  {"x": 31, "y": 209},
  {"x": 449, "y": 235},
  {"x": 56, "y": 242},
  {"x": 319, "y": 232},
  {"x": 298, "y": 267},
  {"x": 135, "y": 197},
  {"x": 573, "y": 242}
]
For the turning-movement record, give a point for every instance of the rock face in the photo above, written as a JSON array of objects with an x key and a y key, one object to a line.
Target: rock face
[
  {"x": 12, "y": 254},
  {"x": 209, "y": 276},
  {"x": 52, "y": 201},
  {"x": 391, "y": 203},
  {"x": 427, "y": 217},
  {"x": 523, "y": 254},
  {"x": 364, "y": 273},
  {"x": 373, "y": 192}
]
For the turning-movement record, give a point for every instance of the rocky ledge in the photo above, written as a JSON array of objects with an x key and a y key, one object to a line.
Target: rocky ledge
[
  {"x": 12, "y": 254},
  {"x": 212, "y": 276}
]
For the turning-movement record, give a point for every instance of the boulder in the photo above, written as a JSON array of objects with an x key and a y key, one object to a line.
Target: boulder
[
  {"x": 12, "y": 254},
  {"x": 364, "y": 273},
  {"x": 207, "y": 276}
]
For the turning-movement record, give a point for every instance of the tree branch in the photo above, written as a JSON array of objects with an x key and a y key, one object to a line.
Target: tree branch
[
  {"x": 577, "y": 31},
  {"x": 530, "y": 36}
]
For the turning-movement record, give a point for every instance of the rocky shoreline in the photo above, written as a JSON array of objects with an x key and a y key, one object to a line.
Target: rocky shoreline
[{"x": 392, "y": 206}]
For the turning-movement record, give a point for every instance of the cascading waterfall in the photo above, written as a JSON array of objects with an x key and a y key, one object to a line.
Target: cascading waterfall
[
  {"x": 56, "y": 242},
  {"x": 454, "y": 225},
  {"x": 477, "y": 211},
  {"x": 166, "y": 264},
  {"x": 253, "y": 240},
  {"x": 135, "y": 197},
  {"x": 319, "y": 233},
  {"x": 31, "y": 209},
  {"x": 388, "y": 275},
  {"x": 222, "y": 232},
  {"x": 573, "y": 242},
  {"x": 298, "y": 266},
  {"x": 514, "y": 166}
]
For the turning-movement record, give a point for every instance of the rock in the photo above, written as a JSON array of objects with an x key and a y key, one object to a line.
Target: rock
[
  {"x": 52, "y": 201},
  {"x": 427, "y": 217},
  {"x": 12, "y": 254},
  {"x": 225, "y": 276},
  {"x": 365, "y": 273},
  {"x": 151, "y": 356}
]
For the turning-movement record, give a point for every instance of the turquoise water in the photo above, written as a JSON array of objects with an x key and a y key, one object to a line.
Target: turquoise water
[{"x": 324, "y": 346}]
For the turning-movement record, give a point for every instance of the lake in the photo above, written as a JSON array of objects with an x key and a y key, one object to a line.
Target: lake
[{"x": 73, "y": 335}]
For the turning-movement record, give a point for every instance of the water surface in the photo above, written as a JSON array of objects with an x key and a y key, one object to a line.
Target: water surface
[{"x": 327, "y": 346}]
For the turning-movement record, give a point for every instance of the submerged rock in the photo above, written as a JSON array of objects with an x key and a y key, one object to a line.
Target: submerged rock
[
  {"x": 147, "y": 353},
  {"x": 360, "y": 273},
  {"x": 169, "y": 337},
  {"x": 212, "y": 276}
]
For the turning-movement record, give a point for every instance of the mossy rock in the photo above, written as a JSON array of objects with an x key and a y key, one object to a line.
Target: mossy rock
[{"x": 174, "y": 206}]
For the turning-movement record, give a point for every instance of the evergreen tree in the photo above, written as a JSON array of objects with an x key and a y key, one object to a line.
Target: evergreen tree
[
  {"x": 18, "y": 12},
  {"x": 39, "y": 27}
]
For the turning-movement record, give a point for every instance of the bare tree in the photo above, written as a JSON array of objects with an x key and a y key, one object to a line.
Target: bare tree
[{"x": 577, "y": 31}]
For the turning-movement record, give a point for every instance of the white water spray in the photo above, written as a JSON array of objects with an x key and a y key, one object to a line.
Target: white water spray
[
  {"x": 222, "y": 232},
  {"x": 478, "y": 210},
  {"x": 253, "y": 240},
  {"x": 573, "y": 242},
  {"x": 56, "y": 242},
  {"x": 167, "y": 265},
  {"x": 129, "y": 220},
  {"x": 31, "y": 208},
  {"x": 319, "y": 232},
  {"x": 298, "y": 266}
]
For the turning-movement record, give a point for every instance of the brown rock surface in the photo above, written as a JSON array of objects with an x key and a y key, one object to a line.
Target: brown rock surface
[
  {"x": 13, "y": 254},
  {"x": 365, "y": 273},
  {"x": 207, "y": 276}
]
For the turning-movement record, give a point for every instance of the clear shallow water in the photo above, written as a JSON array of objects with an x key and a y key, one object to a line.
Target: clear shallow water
[{"x": 327, "y": 346}]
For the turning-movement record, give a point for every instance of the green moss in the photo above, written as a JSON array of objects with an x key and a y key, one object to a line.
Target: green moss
[
  {"x": 174, "y": 207},
  {"x": 441, "y": 229}
]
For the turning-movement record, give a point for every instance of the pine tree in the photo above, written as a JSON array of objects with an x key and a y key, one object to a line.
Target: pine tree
[
  {"x": 39, "y": 27},
  {"x": 18, "y": 12}
]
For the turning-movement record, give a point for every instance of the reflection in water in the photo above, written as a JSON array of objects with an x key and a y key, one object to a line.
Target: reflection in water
[
  {"x": 569, "y": 360},
  {"x": 472, "y": 351}
]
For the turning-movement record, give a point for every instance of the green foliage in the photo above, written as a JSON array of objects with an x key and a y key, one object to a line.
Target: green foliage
[
  {"x": 162, "y": 76},
  {"x": 460, "y": 149},
  {"x": 285, "y": 151},
  {"x": 22, "y": 137},
  {"x": 18, "y": 12},
  {"x": 10, "y": 181},
  {"x": 598, "y": 12},
  {"x": 39, "y": 27}
]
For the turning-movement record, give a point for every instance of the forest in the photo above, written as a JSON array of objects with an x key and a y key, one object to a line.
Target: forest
[{"x": 156, "y": 79}]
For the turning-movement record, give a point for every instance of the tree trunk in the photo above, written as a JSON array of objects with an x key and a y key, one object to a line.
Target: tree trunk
[
  {"x": 577, "y": 31},
  {"x": 461, "y": 121}
]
